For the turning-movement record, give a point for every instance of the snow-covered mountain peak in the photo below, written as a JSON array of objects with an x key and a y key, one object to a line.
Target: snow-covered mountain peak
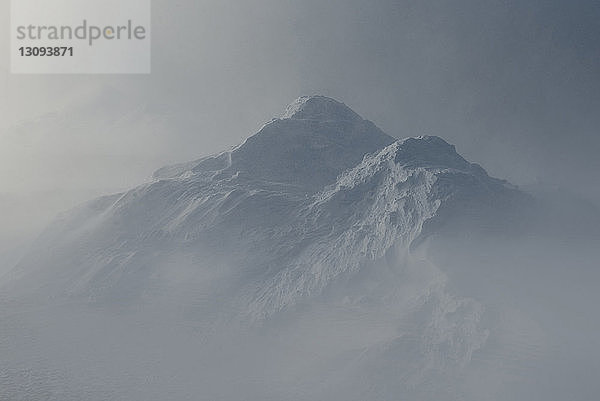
[
  {"x": 298, "y": 204},
  {"x": 318, "y": 223},
  {"x": 317, "y": 140},
  {"x": 320, "y": 108},
  {"x": 431, "y": 152}
]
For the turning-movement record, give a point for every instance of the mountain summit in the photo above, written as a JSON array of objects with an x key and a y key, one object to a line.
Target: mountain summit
[
  {"x": 319, "y": 259},
  {"x": 319, "y": 108},
  {"x": 316, "y": 139},
  {"x": 311, "y": 198},
  {"x": 300, "y": 248}
]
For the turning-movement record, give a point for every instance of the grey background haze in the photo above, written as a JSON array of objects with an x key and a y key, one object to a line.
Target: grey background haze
[{"x": 514, "y": 84}]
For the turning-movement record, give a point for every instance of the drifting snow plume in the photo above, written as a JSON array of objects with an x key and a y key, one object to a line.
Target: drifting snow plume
[{"x": 319, "y": 209}]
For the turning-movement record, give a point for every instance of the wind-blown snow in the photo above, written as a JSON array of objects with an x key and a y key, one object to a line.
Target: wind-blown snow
[{"x": 320, "y": 210}]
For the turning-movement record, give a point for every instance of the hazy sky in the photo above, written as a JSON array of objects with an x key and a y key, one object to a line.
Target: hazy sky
[{"x": 514, "y": 84}]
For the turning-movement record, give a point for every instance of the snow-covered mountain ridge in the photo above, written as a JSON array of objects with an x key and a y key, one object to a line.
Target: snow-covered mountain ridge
[
  {"x": 315, "y": 140},
  {"x": 314, "y": 196},
  {"x": 318, "y": 258}
]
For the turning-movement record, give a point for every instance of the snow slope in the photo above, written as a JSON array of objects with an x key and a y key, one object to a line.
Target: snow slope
[
  {"x": 316, "y": 221},
  {"x": 314, "y": 195}
]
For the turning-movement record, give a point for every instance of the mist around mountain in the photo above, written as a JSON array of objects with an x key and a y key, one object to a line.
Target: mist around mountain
[{"x": 319, "y": 259}]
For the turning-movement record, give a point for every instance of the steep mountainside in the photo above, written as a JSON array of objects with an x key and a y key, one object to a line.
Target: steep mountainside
[
  {"x": 316, "y": 195},
  {"x": 302, "y": 264}
]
